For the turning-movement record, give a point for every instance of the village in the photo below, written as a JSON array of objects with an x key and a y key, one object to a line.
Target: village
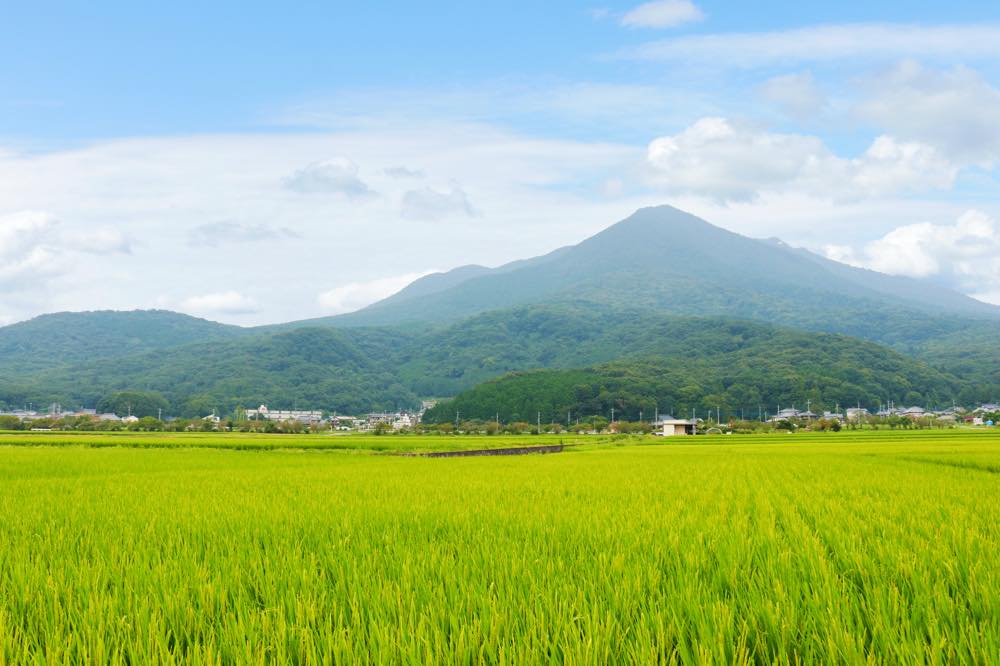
[{"x": 265, "y": 419}]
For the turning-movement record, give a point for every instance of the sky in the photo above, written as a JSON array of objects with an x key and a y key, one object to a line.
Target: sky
[{"x": 253, "y": 163}]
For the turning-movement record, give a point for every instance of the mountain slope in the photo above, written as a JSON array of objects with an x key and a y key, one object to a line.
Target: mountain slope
[
  {"x": 662, "y": 258},
  {"x": 314, "y": 367},
  {"x": 358, "y": 369},
  {"x": 68, "y": 337},
  {"x": 733, "y": 367}
]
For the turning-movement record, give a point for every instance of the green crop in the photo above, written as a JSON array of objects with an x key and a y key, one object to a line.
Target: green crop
[{"x": 841, "y": 548}]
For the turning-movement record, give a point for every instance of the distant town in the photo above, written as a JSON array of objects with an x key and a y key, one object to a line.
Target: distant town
[{"x": 265, "y": 419}]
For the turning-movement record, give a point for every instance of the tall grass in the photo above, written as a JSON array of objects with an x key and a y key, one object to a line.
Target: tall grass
[{"x": 833, "y": 550}]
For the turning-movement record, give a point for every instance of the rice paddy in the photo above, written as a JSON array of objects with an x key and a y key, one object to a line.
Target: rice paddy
[{"x": 846, "y": 548}]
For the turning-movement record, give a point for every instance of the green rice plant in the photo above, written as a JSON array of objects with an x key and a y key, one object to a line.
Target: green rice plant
[{"x": 836, "y": 548}]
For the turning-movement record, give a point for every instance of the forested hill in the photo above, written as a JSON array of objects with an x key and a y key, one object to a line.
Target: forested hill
[
  {"x": 732, "y": 369},
  {"x": 356, "y": 370},
  {"x": 54, "y": 340}
]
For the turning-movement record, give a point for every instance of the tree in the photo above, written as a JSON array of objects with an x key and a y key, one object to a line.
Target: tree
[
  {"x": 136, "y": 403},
  {"x": 10, "y": 423}
]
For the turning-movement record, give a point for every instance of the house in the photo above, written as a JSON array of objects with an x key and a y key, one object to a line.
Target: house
[
  {"x": 856, "y": 413},
  {"x": 669, "y": 426},
  {"x": 130, "y": 419},
  {"x": 914, "y": 413},
  {"x": 343, "y": 422},
  {"x": 786, "y": 414}
]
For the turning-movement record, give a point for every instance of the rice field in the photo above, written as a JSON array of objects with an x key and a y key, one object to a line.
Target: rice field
[{"x": 839, "y": 548}]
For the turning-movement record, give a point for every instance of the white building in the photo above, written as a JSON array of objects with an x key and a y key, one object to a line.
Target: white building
[
  {"x": 856, "y": 413},
  {"x": 669, "y": 426},
  {"x": 304, "y": 416}
]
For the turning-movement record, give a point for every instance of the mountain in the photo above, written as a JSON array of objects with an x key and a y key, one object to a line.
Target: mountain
[
  {"x": 56, "y": 339},
  {"x": 733, "y": 366},
  {"x": 352, "y": 370},
  {"x": 314, "y": 367},
  {"x": 668, "y": 260},
  {"x": 661, "y": 284}
]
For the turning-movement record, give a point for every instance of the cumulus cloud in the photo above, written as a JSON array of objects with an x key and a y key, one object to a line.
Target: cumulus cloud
[
  {"x": 334, "y": 176},
  {"x": 32, "y": 250},
  {"x": 356, "y": 295},
  {"x": 954, "y": 110},
  {"x": 23, "y": 231},
  {"x": 728, "y": 162},
  {"x": 402, "y": 172},
  {"x": 796, "y": 95},
  {"x": 662, "y": 14},
  {"x": 215, "y": 234},
  {"x": 430, "y": 204},
  {"x": 824, "y": 43},
  {"x": 964, "y": 255},
  {"x": 223, "y": 302}
]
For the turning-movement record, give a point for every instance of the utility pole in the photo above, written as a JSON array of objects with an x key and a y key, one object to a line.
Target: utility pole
[
  {"x": 539, "y": 430},
  {"x": 612, "y": 414}
]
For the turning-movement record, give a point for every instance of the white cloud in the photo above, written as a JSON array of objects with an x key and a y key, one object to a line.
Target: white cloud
[
  {"x": 36, "y": 251},
  {"x": 955, "y": 110},
  {"x": 355, "y": 295},
  {"x": 430, "y": 204},
  {"x": 964, "y": 255},
  {"x": 402, "y": 172},
  {"x": 33, "y": 251},
  {"x": 662, "y": 14},
  {"x": 728, "y": 162},
  {"x": 334, "y": 176},
  {"x": 215, "y": 234},
  {"x": 157, "y": 190},
  {"x": 824, "y": 43},
  {"x": 890, "y": 166},
  {"x": 224, "y": 302},
  {"x": 23, "y": 231},
  {"x": 796, "y": 95}
]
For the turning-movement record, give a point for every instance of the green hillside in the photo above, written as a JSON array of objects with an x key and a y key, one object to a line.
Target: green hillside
[
  {"x": 730, "y": 366},
  {"x": 54, "y": 340},
  {"x": 311, "y": 367},
  {"x": 358, "y": 369}
]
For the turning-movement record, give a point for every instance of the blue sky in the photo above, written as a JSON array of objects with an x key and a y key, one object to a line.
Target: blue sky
[{"x": 311, "y": 134}]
